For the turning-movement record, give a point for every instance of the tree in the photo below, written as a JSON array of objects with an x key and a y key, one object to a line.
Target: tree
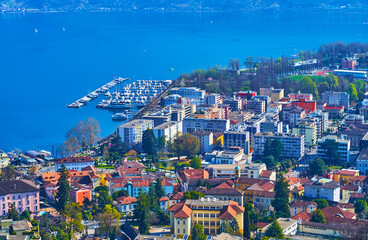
[
  {"x": 318, "y": 216},
  {"x": 274, "y": 230},
  {"x": 317, "y": 167},
  {"x": 267, "y": 148},
  {"x": 234, "y": 64},
  {"x": 196, "y": 163},
  {"x": 160, "y": 192},
  {"x": 83, "y": 135},
  {"x": 104, "y": 199},
  {"x": 235, "y": 226},
  {"x": 192, "y": 195},
  {"x": 161, "y": 142},
  {"x": 13, "y": 213},
  {"x": 185, "y": 144},
  {"x": 141, "y": 213},
  {"x": 32, "y": 171},
  {"x": 330, "y": 150},
  {"x": 73, "y": 219},
  {"x": 109, "y": 219},
  {"x": 225, "y": 227},
  {"x": 361, "y": 208},
  {"x": 105, "y": 152},
  {"x": 8, "y": 173},
  {"x": 308, "y": 86},
  {"x": 25, "y": 215},
  {"x": 153, "y": 196},
  {"x": 281, "y": 201},
  {"x": 247, "y": 226},
  {"x": 198, "y": 232},
  {"x": 321, "y": 203},
  {"x": 63, "y": 186},
  {"x": 352, "y": 92},
  {"x": 277, "y": 149},
  {"x": 101, "y": 188},
  {"x": 120, "y": 193},
  {"x": 270, "y": 162},
  {"x": 149, "y": 142}
]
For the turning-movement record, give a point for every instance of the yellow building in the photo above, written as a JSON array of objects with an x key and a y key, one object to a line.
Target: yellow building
[
  {"x": 212, "y": 112},
  {"x": 250, "y": 185},
  {"x": 274, "y": 94},
  {"x": 4, "y": 159},
  {"x": 209, "y": 212},
  {"x": 218, "y": 139},
  {"x": 345, "y": 176}
]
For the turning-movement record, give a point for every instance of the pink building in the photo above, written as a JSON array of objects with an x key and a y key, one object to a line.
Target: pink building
[
  {"x": 23, "y": 194},
  {"x": 298, "y": 95}
]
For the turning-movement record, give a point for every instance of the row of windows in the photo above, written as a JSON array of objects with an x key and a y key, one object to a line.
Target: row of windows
[
  {"x": 206, "y": 215},
  {"x": 19, "y": 197}
]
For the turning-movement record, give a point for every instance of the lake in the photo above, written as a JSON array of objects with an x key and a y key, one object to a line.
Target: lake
[{"x": 41, "y": 71}]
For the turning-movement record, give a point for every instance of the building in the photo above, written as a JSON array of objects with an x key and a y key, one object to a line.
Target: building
[
  {"x": 263, "y": 199},
  {"x": 274, "y": 94},
  {"x": 168, "y": 129},
  {"x": 225, "y": 192},
  {"x": 292, "y": 114},
  {"x": 362, "y": 161},
  {"x": 22, "y": 193},
  {"x": 256, "y": 106},
  {"x": 4, "y": 159},
  {"x": 192, "y": 124},
  {"x": 274, "y": 126},
  {"x": 158, "y": 117},
  {"x": 226, "y": 157},
  {"x": 302, "y": 206},
  {"x": 354, "y": 119},
  {"x": 336, "y": 98},
  {"x": 246, "y": 94},
  {"x": 354, "y": 133},
  {"x": 234, "y": 103},
  {"x": 79, "y": 193},
  {"x": 334, "y": 111},
  {"x": 212, "y": 99},
  {"x": 323, "y": 189},
  {"x": 74, "y": 163},
  {"x": 293, "y": 144},
  {"x": 307, "y": 105},
  {"x": 209, "y": 212},
  {"x": 309, "y": 130},
  {"x": 205, "y": 141},
  {"x": 348, "y": 63},
  {"x": 289, "y": 226},
  {"x": 236, "y": 139},
  {"x": 351, "y": 73},
  {"x": 299, "y": 95},
  {"x": 126, "y": 205},
  {"x": 343, "y": 147},
  {"x": 132, "y": 132},
  {"x": 171, "y": 99},
  {"x": 195, "y": 94},
  {"x": 321, "y": 120}
]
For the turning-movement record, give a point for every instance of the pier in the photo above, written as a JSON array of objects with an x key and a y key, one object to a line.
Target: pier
[{"x": 99, "y": 91}]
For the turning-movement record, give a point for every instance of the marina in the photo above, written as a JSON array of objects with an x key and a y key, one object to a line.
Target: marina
[
  {"x": 100, "y": 91},
  {"x": 137, "y": 94}
]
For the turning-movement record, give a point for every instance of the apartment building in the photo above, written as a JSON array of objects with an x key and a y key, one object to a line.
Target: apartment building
[
  {"x": 299, "y": 95},
  {"x": 323, "y": 189},
  {"x": 192, "y": 124},
  {"x": 212, "y": 99},
  {"x": 132, "y": 132},
  {"x": 293, "y": 144},
  {"x": 257, "y": 106},
  {"x": 195, "y": 94},
  {"x": 308, "y": 129},
  {"x": 74, "y": 163},
  {"x": 274, "y": 94},
  {"x": 168, "y": 129},
  {"x": 236, "y": 139},
  {"x": 336, "y": 98},
  {"x": 209, "y": 212},
  {"x": 226, "y": 157},
  {"x": 205, "y": 141},
  {"x": 23, "y": 194},
  {"x": 343, "y": 147}
]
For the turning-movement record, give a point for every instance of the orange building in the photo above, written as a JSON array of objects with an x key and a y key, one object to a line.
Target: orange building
[{"x": 79, "y": 192}]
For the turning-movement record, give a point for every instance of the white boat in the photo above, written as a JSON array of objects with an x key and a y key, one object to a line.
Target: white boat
[{"x": 119, "y": 116}]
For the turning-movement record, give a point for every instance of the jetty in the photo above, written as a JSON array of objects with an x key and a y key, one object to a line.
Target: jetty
[{"x": 99, "y": 91}]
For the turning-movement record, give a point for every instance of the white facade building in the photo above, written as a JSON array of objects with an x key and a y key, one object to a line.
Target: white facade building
[
  {"x": 168, "y": 129},
  {"x": 132, "y": 132},
  {"x": 343, "y": 147}
]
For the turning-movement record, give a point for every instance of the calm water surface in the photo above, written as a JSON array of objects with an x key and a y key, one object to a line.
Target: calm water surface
[{"x": 41, "y": 72}]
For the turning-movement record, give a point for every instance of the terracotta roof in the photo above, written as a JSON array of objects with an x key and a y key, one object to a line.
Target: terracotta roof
[
  {"x": 224, "y": 185},
  {"x": 17, "y": 186},
  {"x": 224, "y": 191},
  {"x": 336, "y": 211},
  {"x": 359, "y": 178},
  {"x": 178, "y": 196},
  {"x": 300, "y": 188},
  {"x": 357, "y": 195},
  {"x": 74, "y": 160},
  {"x": 126, "y": 200},
  {"x": 176, "y": 207},
  {"x": 303, "y": 216},
  {"x": 264, "y": 194},
  {"x": 350, "y": 188},
  {"x": 299, "y": 204},
  {"x": 228, "y": 213},
  {"x": 347, "y": 172},
  {"x": 163, "y": 199},
  {"x": 292, "y": 180},
  {"x": 266, "y": 173},
  {"x": 183, "y": 212},
  {"x": 345, "y": 205},
  {"x": 236, "y": 207},
  {"x": 262, "y": 224}
]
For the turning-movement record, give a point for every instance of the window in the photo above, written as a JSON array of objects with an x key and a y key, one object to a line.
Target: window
[
  {"x": 13, "y": 197},
  {"x": 178, "y": 222},
  {"x": 184, "y": 230},
  {"x": 206, "y": 223},
  {"x": 178, "y": 230},
  {"x": 184, "y": 221},
  {"x": 206, "y": 215}
]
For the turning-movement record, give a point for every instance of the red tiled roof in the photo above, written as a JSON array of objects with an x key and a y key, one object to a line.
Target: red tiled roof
[
  {"x": 228, "y": 213},
  {"x": 345, "y": 205},
  {"x": 224, "y": 185},
  {"x": 303, "y": 216},
  {"x": 183, "y": 212},
  {"x": 163, "y": 199},
  {"x": 350, "y": 187},
  {"x": 74, "y": 160},
  {"x": 262, "y": 224},
  {"x": 264, "y": 194},
  {"x": 178, "y": 196},
  {"x": 333, "y": 107},
  {"x": 298, "y": 204},
  {"x": 357, "y": 195},
  {"x": 348, "y": 172},
  {"x": 176, "y": 207},
  {"x": 266, "y": 173},
  {"x": 359, "y": 178},
  {"x": 126, "y": 200},
  {"x": 336, "y": 211}
]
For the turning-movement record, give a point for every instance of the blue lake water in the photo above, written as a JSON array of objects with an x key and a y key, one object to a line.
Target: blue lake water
[{"x": 41, "y": 72}]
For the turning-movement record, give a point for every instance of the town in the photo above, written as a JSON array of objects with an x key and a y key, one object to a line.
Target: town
[{"x": 209, "y": 159}]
